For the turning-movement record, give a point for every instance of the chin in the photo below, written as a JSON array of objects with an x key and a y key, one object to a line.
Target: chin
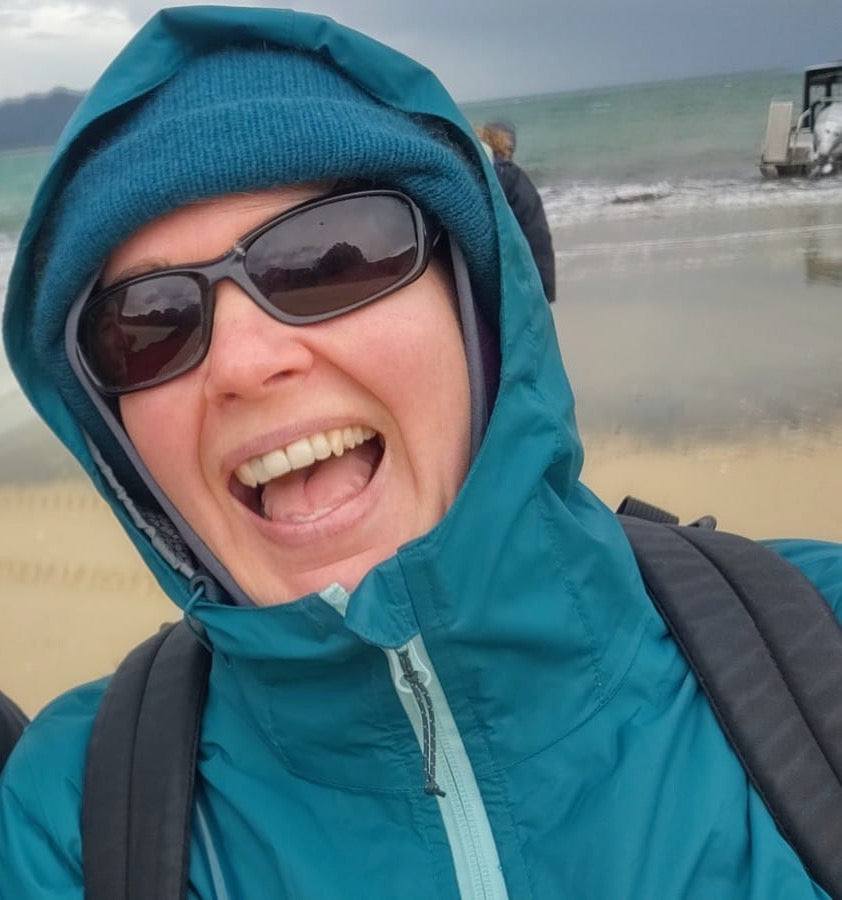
[{"x": 347, "y": 574}]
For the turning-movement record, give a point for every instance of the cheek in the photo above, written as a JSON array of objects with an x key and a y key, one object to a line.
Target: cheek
[
  {"x": 420, "y": 351},
  {"x": 158, "y": 423}
]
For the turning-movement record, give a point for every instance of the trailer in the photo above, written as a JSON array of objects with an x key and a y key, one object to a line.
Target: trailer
[{"x": 789, "y": 147}]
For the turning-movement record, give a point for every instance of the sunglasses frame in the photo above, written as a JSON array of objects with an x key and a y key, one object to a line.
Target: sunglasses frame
[{"x": 231, "y": 266}]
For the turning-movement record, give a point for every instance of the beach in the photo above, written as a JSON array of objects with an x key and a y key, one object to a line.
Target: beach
[
  {"x": 75, "y": 597},
  {"x": 703, "y": 350}
]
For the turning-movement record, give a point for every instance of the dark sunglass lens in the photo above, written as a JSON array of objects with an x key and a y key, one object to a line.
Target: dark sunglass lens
[
  {"x": 334, "y": 256},
  {"x": 143, "y": 332}
]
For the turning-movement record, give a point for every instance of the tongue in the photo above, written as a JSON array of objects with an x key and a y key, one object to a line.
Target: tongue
[{"x": 310, "y": 493}]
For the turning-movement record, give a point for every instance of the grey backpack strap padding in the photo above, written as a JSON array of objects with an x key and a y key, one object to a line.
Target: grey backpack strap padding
[
  {"x": 640, "y": 509},
  {"x": 767, "y": 650},
  {"x": 141, "y": 769}
]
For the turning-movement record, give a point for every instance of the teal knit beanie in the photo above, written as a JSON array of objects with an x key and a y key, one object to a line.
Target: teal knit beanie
[{"x": 245, "y": 119}]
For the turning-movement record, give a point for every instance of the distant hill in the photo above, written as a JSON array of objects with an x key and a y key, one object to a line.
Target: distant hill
[{"x": 36, "y": 120}]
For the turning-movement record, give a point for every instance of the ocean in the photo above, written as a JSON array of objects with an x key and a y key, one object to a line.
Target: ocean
[
  {"x": 672, "y": 146},
  {"x": 697, "y": 301},
  {"x": 632, "y": 177}
]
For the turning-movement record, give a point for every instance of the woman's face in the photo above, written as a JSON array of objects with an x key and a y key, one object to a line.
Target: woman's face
[{"x": 381, "y": 393}]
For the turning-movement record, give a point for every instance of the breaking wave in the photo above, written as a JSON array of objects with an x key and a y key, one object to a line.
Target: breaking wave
[{"x": 583, "y": 201}]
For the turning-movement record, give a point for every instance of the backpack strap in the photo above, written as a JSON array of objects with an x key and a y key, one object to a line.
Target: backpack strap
[
  {"x": 767, "y": 650},
  {"x": 141, "y": 768},
  {"x": 12, "y": 722},
  {"x": 640, "y": 509}
]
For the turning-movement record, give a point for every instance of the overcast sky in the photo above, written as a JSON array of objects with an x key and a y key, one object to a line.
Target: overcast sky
[{"x": 487, "y": 49}]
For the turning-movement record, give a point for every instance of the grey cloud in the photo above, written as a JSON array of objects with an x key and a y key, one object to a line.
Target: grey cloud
[{"x": 507, "y": 47}]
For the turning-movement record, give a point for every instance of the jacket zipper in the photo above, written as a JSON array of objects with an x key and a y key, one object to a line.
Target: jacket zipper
[{"x": 448, "y": 774}]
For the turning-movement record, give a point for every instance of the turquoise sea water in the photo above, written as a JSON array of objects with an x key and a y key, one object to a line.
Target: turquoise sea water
[
  {"x": 650, "y": 149},
  {"x": 699, "y": 128},
  {"x": 20, "y": 174}
]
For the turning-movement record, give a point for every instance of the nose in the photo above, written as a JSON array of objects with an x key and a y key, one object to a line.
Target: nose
[{"x": 250, "y": 352}]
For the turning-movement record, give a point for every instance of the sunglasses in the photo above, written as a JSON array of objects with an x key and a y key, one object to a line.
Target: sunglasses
[{"x": 316, "y": 261}]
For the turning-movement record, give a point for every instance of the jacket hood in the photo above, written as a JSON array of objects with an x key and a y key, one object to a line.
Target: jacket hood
[{"x": 521, "y": 503}]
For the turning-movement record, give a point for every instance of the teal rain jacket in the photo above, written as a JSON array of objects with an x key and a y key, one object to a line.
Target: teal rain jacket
[{"x": 577, "y": 755}]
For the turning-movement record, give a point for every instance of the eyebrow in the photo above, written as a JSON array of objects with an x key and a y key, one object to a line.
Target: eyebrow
[
  {"x": 148, "y": 266},
  {"x": 144, "y": 267}
]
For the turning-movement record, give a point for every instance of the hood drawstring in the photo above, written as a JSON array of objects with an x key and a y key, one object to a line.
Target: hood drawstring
[
  {"x": 198, "y": 586},
  {"x": 428, "y": 723}
]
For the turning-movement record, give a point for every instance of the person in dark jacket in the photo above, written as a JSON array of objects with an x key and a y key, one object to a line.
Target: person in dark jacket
[{"x": 523, "y": 198}]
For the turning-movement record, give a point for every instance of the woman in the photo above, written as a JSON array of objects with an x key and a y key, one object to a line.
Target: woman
[{"x": 319, "y": 292}]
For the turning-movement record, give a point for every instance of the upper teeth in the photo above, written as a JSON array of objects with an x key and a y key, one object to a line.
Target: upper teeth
[{"x": 302, "y": 453}]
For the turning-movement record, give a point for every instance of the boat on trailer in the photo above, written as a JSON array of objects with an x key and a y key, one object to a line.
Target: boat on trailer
[{"x": 810, "y": 143}]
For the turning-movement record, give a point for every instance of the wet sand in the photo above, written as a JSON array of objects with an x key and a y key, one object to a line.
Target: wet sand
[
  {"x": 720, "y": 325},
  {"x": 705, "y": 353},
  {"x": 705, "y": 359}
]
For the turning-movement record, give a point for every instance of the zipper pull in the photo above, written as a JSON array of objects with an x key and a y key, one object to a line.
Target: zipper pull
[{"x": 410, "y": 679}]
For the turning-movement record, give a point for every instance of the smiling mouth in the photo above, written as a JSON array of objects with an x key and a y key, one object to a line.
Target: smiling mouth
[{"x": 310, "y": 477}]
